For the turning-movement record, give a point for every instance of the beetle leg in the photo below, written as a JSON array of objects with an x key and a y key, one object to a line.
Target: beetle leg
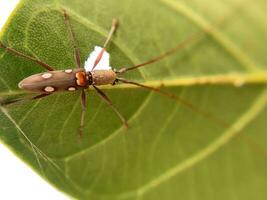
[
  {"x": 14, "y": 101},
  {"x": 19, "y": 54},
  {"x": 180, "y": 100},
  {"x": 109, "y": 102},
  {"x": 83, "y": 104},
  {"x": 77, "y": 55},
  {"x": 111, "y": 33}
]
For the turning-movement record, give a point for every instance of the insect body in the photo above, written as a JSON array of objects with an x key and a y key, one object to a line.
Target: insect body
[
  {"x": 94, "y": 73},
  {"x": 67, "y": 80}
]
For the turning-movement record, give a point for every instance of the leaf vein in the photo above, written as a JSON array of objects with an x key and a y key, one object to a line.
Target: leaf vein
[{"x": 220, "y": 38}]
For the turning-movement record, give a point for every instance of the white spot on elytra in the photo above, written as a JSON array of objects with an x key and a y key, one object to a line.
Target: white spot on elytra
[
  {"x": 71, "y": 88},
  {"x": 49, "y": 89},
  {"x": 103, "y": 63},
  {"x": 47, "y": 75},
  {"x": 68, "y": 71}
]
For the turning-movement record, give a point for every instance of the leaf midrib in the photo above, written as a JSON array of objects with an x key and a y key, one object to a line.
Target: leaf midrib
[{"x": 232, "y": 79}]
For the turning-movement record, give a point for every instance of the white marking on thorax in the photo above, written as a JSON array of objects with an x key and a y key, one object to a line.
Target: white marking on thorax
[
  {"x": 47, "y": 75},
  {"x": 49, "y": 89},
  {"x": 78, "y": 82},
  {"x": 102, "y": 65}
]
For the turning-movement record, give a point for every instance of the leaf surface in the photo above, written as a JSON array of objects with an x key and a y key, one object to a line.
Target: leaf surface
[{"x": 169, "y": 150}]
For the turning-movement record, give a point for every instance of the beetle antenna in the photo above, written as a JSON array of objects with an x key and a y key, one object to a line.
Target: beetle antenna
[
  {"x": 22, "y": 55},
  {"x": 193, "y": 38},
  {"x": 186, "y": 42},
  {"x": 14, "y": 101}
]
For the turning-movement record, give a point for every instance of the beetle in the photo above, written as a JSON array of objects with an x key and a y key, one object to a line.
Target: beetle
[{"x": 82, "y": 78}]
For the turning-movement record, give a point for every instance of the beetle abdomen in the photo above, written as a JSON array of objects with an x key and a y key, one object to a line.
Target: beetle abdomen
[
  {"x": 103, "y": 77},
  {"x": 61, "y": 80}
]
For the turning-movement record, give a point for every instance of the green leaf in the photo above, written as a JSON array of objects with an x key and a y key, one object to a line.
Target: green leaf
[{"x": 170, "y": 151}]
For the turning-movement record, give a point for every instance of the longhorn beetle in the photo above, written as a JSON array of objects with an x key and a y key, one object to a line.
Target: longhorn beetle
[{"x": 81, "y": 78}]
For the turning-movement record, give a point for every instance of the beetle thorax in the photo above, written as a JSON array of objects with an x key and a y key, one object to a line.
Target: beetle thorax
[
  {"x": 101, "y": 77},
  {"x": 81, "y": 79}
]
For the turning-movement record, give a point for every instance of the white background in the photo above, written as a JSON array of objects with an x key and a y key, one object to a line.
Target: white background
[{"x": 17, "y": 180}]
